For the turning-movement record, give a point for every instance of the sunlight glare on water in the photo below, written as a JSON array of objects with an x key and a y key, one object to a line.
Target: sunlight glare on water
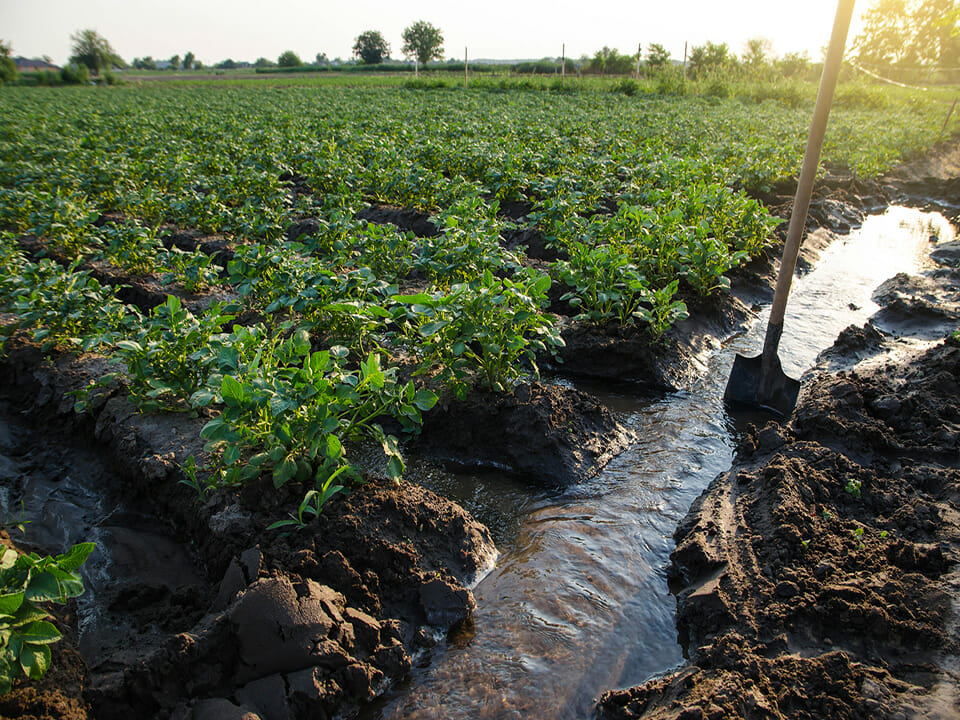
[{"x": 578, "y": 602}]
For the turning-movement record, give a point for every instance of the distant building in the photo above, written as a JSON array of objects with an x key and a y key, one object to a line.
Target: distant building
[{"x": 35, "y": 65}]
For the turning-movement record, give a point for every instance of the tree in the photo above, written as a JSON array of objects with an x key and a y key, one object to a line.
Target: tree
[
  {"x": 322, "y": 59},
  {"x": 793, "y": 63},
  {"x": 227, "y": 64},
  {"x": 422, "y": 42},
  {"x": 145, "y": 63},
  {"x": 371, "y": 48},
  {"x": 756, "y": 52},
  {"x": 610, "y": 61},
  {"x": 188, "y": 60},
  {"x": 658, "y": 56},
  {"x": 262, "y": 62},
  {"x": 8, "y": 68},
  {"x": 704, "y": 58},
  {"x": 910, "y": 32},
  {"x": 93, "y": 51},
  {"x": 288, "y": 58},
  {"x": 174, "y": 62}
]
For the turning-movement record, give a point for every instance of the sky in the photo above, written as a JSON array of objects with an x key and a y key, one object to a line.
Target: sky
[{"x": 498, "y": 29}]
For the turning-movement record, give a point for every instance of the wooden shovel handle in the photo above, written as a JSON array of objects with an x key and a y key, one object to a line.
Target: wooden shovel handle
[{"x": 801, "y": 203}]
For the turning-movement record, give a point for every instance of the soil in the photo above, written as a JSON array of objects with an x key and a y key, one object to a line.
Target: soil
[
  {"x": 144, "y": 292},
  {"x": 819, "y": 576},
  {"x": 550, "y": 434},
  {"x": 350, "y": 602},
  {"x": 800, "y": 596}
]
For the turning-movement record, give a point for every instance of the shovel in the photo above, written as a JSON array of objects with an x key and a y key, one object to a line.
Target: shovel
[{"x": 759, "y": 382}]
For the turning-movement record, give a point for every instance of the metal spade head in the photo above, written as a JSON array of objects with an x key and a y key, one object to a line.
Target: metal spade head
[{"x": 755, "y": 384}]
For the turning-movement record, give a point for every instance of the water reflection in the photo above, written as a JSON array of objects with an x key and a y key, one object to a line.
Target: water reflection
[{"x": 578, "y": 602}]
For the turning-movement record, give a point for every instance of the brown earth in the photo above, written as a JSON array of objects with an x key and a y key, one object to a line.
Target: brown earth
[
  {"x": 818, "y": 577},
  {"x": 306, "y": 623},
  {"x": 318, "y": 622}
]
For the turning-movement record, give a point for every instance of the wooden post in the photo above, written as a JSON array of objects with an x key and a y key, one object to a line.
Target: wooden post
[
  {"x": 952, "y": 108},
  {"x": 639, "y": 55},
  {"x": 563, "y": 63},
  {"x": 466, "y": 63},
  {"x": 684, "y": 61}
]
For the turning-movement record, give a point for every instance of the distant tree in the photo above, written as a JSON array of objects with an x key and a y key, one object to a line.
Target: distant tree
[
  {"x": 174, "y": 63},
  {"x": 322, "y": 59},
  {"x": 609, "y": 61},
  {"x": 8, "y": 68},
  {"x": 423, "y": 42},
  {"x": 704, "y": 58},
  {"x": 227, "y": 64},
  {"x": 92, "y": 50},
  {"x": 910, "y": 32},
  {"x": 371, "y": 47},
  {"x": 144, "y": 63},
  {"x": 75, "y": 74},
  {"x": 756, "y": 51},
  {"x": 289, "y": 58},
  {"x": 793, "y": 64},
  {"x": 188, "y": 60},
  {"x": 657, "y": 56},
  {"x": 262, "y": 62}
]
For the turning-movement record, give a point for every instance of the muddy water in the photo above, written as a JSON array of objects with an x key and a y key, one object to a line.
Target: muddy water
[
  {"x": 63, "y": 487},
  {"x": 578, "y": 602}
]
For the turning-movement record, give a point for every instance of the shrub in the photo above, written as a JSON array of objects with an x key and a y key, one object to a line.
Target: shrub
[{"x": 74, "y": 74}]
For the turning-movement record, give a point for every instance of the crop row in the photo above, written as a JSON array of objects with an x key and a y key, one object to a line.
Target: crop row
[{"x": 319, "y": 326}]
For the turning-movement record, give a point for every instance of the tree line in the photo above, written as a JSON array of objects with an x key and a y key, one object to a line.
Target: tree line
[{"x": 896, "y": 33}]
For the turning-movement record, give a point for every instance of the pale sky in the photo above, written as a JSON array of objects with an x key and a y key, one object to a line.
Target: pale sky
[{"x": 247, "y": 29}]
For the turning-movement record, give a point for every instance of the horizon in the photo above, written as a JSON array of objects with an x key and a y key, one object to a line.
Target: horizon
[{"x": 217, "y": 30}]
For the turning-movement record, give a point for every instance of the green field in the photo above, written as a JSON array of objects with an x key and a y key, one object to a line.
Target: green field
[{"x": 321, "y": 323}]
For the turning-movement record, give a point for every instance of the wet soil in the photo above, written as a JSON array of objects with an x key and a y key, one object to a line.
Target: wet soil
[
  {"x": 819, "y": 577},
  {"x": 316, "y": 623},
  {"x": 549, "y": 434},
  {"x": 305, "y": 623}
]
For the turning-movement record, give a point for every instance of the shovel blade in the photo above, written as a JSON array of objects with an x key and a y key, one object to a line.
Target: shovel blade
[{"x": 750, "y": 386}]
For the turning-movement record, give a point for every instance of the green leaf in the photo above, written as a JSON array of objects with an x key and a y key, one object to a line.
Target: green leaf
[
  {"x": 39, "y": 632},
  {"x": 75, "y": 556},
  {"x": 44, "y": 587},
  {"x": 34, "y": 660},
  {"x": 11, "y": 602},
  {"x": 334, "y": 449},
  {"x": 425, "y": 399},
  {"x": 395, "y": 468},
  {"x": 232, "y": 391},
  {"x": 433, "y": 328},
  {"x": 7, "y": 558},
  {"x": 201, "y": 398},
  {"x": 284, "y": 472},
  {"x": 419, "y": 299}
]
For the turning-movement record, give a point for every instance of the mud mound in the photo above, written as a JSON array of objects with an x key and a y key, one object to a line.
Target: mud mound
[
  {"x": 628, "y": 354},
  {"x": 416, "y": 222},
  {"x": 818, "y": 573},
  {"x": 552, "y": 435},
  {"x": 304, "y": 624}
]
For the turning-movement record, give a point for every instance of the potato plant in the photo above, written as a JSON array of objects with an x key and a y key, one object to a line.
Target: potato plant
[{"x": 631, "y": 197}]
